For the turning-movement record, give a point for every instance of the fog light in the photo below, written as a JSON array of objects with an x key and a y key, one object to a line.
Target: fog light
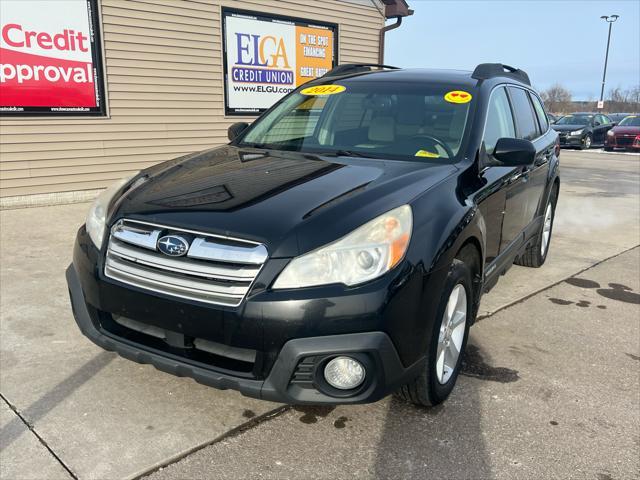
[{"x": 344, "y": 373}]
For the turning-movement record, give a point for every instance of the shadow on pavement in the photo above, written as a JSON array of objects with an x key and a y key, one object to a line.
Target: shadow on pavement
[
  {"x": 440, "y": 442},
  {"x": 37, "y": 410}
]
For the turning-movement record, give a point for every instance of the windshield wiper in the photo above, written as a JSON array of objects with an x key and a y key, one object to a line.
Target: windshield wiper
[
  {"x": 349, "y": 153},
  {"x": 255, "y": 145}
]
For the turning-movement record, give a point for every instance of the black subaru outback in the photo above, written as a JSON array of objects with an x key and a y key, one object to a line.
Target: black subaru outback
[{"x": 334, "y": 251}]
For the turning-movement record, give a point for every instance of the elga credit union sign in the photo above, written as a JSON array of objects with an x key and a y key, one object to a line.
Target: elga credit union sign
[
  {"x": 50, "y": 61},
  {"x": 266, "y": 57}
]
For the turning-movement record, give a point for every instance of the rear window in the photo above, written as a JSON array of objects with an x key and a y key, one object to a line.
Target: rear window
[{"x": 525, "y": 117}]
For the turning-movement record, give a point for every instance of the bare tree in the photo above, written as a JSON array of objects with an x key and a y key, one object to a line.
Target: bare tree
[
  {"x": 619, "y": 100},
  {"x": 556, "y": 98},
  {"x": 634, "y": 97}
]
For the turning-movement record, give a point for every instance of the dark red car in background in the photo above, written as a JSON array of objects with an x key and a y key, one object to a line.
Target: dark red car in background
[{"x": 624, "y": 135}]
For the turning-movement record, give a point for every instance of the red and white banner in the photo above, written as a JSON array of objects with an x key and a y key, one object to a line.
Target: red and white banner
[{"x": 49, "y": 58}]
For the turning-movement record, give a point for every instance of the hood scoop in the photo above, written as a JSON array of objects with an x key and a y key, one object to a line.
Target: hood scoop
[{"x": 207, "y": 196}]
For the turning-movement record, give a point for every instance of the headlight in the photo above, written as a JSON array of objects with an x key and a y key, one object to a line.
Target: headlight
[
  {"x": 366, "y": 253},
  {"x": 577, "y": 132},
  {"x": 610, "y": 133},
  {"x": 97, "y": 213}
]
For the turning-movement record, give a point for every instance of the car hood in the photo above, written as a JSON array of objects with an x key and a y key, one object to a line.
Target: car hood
[
  {"x": 622, "y": 130},
  {"x": 567, "y": 128},
  {"x": 290, "y": 201}
]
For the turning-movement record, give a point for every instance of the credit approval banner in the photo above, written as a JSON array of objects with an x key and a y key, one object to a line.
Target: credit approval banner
[
  {"x": 265, "y": 57},
  {"x": 50, "y": 60}
]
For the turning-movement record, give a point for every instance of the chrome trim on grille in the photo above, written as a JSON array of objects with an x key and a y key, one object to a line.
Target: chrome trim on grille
[
  {"x": 205, "y": 250},
  {"x": 221, "y": 271},
  {"x": 184, "y": 265},
  {"x": 195, "y": 232},
  {"x": 139, "y": 237}
]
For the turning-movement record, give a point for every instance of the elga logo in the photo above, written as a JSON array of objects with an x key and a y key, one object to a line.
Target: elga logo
[{"x": 261, "y": 59}]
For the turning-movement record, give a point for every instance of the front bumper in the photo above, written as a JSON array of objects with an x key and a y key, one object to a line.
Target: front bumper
[
  {"x": 292, "y": 334},
  {"x": 628, "y": 142},
  {"x": 375, "y": 348},
  {"x": 571, "y": 141}
]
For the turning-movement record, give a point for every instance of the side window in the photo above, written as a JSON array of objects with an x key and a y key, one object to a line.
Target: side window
[
  {"x": 525, "y": 118},
  {"x": 499, "y": 120},
  {"x": 542, "y": 117},
  {"x": 606, "y": 120}
]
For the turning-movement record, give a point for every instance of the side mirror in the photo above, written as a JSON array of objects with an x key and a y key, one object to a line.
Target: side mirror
[
  {"x": 236, "y": 129},
  {"x": 514, "y": 151},
  {"x": 596, "y": 124}
]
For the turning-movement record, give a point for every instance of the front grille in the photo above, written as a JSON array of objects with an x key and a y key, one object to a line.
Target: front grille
[
  {"x": 217, "y": 270},
  {"x": 626, "y": 140},
  {"x": 240, "y": 362}
]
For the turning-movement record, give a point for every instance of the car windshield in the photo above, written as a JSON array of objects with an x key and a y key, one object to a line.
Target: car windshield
[
  {"x": 575, "y": 120},
  {"x": 360, "y": 117},
  {"x": 631, "y": 121}
]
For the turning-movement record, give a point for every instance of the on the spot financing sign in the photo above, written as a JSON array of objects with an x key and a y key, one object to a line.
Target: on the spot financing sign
[
  {"x": 50, "y": 60},
  {"x": 266, "y": 57}
]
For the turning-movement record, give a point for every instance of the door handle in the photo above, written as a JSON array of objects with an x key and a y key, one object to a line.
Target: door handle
[{"x": 524, "y": 174}]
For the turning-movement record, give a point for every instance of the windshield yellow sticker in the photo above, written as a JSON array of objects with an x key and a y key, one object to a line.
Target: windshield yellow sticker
[
  {"x": 424, "y": 153},
  {"x": 458, "y": 96},
  {"x": 323, "y": 90}
]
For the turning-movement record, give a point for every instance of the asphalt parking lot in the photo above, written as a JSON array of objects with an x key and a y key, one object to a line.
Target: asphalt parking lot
[{"x": 551, "y": 384}]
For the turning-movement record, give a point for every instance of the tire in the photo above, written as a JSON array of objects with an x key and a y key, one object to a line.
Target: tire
[
  {"x": 536, "y": 254},
  {"x": 428, "y": 388},
  {"x": 586, "y": 142},
  {"x": 608, "y": 149}
]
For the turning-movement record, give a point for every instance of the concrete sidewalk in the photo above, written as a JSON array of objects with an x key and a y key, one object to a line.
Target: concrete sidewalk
[{"x": 69, "y": 409}]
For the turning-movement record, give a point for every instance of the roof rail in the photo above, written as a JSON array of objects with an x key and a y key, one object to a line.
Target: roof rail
[
  {"x": 346, "y": 68},
  {"x": 490, "y": 70}
]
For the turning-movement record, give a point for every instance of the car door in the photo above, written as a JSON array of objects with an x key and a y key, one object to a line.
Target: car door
[
  {"x": 534, "y": 175},
  {"x": 596, "y": 129},
  {"x": 599, "y": 129},
  {"x": 607, "y": 125},
  {"x": 539, "y": 174},
  {"x": 503, "y": 196}
]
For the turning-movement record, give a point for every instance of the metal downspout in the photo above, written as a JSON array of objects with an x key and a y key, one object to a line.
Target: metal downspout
[{"x": 384, "y": 30}]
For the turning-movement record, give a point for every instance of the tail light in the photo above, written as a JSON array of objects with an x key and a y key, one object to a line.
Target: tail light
[
  {"x": 637, "y": 140},
  {"x": 557, "y": 147}
]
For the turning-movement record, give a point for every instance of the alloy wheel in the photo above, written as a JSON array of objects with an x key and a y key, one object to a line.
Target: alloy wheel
[
  {"x": 546, "y": 230},
  {"x": 451, "y": 334}
]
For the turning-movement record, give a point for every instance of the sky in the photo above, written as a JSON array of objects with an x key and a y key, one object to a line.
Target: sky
[{"x": 554, "y": 41}]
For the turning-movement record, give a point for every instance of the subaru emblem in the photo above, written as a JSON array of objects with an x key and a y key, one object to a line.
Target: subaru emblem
[{"x": 173, "y": 245}]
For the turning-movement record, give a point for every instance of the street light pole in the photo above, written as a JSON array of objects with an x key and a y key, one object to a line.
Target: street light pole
[{"x": 610, "y": 19}]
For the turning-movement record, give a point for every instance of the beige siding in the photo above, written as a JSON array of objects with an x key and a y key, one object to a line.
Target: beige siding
[{"x": 163, "y": 67}]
